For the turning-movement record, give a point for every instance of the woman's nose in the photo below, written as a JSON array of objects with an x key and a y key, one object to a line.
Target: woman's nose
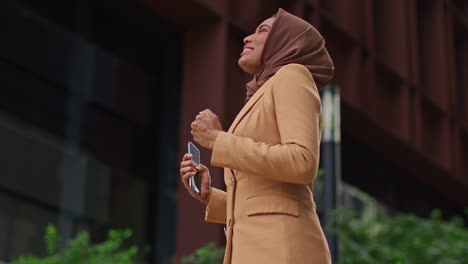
[{"x": 248, "y": 39}]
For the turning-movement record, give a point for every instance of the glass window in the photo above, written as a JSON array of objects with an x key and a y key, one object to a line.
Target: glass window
[{"x": 82, "y": 97}]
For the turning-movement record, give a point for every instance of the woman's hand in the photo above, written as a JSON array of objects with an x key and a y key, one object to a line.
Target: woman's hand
[
  {"x": 187, "y": 170},
  {"x": 205, "y": 128}
]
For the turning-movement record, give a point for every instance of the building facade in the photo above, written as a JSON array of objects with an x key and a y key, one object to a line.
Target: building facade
[{"x": 97, "y": 99}]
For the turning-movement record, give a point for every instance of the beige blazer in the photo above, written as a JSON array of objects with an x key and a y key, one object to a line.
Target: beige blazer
[{"x": 271, "y": 155}]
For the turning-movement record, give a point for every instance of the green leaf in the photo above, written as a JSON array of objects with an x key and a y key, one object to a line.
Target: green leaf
[
  {"x": 51, "y": 239},
  {"x": 80, "y": 250},
  {"x": 403, "y": 239}
]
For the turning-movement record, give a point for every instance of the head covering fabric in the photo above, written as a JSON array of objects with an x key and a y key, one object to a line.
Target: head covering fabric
[{"x": 292, "y": 40}]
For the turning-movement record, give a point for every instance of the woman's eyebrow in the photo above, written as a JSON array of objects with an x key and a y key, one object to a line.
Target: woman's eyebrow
[{"x": 264, "y": 25}]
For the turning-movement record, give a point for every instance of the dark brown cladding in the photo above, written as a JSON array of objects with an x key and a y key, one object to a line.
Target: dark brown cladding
[{"x": 402, "y": 67}]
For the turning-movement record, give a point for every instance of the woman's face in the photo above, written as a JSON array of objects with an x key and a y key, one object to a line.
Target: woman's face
[{"x": 249, "y": 59}]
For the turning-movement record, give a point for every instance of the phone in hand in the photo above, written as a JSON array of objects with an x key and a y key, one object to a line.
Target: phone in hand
[{"x": 195, "y": 181}]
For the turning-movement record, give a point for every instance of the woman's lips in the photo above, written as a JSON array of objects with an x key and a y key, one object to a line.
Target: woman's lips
[{"x": 246, "y": 49}]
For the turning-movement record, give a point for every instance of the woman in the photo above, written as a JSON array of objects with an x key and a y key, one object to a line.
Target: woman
[{"x": 271, "y": 151}]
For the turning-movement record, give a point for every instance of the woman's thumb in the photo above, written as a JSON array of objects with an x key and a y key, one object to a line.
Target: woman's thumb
[{"x": 201, "y": 168}]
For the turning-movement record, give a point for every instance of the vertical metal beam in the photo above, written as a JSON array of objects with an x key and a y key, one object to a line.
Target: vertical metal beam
[
  {"x": 166, "y": 109},
  {"x": 73, "y": 170},
  {"x": 74, "y": 165},
  {"x": 331, "y": 160},
  {"x": 337, "y": 144}
]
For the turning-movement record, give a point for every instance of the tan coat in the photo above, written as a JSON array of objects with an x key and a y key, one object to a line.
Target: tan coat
[{"x": 271, "y": 155}]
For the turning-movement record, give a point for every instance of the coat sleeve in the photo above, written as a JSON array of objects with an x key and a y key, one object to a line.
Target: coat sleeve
[
  {"x": 216, "y": 208},
  {"x": 298, "y": 113}
]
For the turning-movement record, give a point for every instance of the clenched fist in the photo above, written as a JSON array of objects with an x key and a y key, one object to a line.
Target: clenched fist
[{"x": 205, "y": 128}]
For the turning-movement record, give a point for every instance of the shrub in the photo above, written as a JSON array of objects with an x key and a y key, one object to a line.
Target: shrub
[
  {"x": 79, "y": 250},
  {"x": 402, "y": 239},
  {"x": 207, "y": 254}
]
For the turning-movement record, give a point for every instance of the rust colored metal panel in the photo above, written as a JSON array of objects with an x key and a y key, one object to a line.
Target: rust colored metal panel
[
  {"x": 349, "y": 78},
  {"x": 368, "y": 38},
  {"x": 311, "y": 15},
  {"x": 404, "y": 106},
  {"x": 392, "y": 102},
  {"x": 246, "y": 14},
  {"x": 203, "y": 87},
  {"x": 366, "y": 90},
  {"x": 183, "y": 13},
  {"x": 460, "y": 159},
  {"x": 451, "y": 67},
  {"x": 435, "y": 134},
  {"x": 417, "y": 118},
  {"x": 347, "y": 59},
  {"x": 313, "y": 3},
  {"x": 390, "y": 35},
  {"x": 295, "y": 7},
  {"x": 413, "y": 52},
  {"x": 403, "y": 155},
  {"x": 463, "y": 154},
  {"x": 218, "y": 6},
  {"x": 461, "y": 147},
  {"x": 413, "y": 117},
  {"x": 433, "y": 52},
  {"x": 347, "y": 14},
  {"x": 460, "y": 42},
  {"x": 461, "y": 7}
]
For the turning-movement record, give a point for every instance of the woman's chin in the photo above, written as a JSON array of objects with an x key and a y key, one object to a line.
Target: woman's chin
[{"x": 245, "y": 66}]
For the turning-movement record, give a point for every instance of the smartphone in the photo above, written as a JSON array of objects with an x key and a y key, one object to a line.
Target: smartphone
[{"x": 195, "y": 181}]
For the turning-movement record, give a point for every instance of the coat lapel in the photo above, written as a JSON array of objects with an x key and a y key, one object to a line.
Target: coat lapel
[{"x": 246, "y": 109}]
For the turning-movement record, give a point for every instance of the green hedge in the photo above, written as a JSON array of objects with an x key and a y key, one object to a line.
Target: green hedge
[
  {"x": 401, "y": 239},
  {"x": 208, "y": 254},
  {"x": 79, "y": 250}
]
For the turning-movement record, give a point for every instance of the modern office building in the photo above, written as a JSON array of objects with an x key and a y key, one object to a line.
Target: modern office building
[{"x": 97, "y": 97}]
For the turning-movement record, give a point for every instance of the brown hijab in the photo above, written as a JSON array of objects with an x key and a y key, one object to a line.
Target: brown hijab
[{"x": 292, "y": 40}]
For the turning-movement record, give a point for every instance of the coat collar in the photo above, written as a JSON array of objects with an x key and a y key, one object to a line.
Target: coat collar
[{"x": 246, "y": 109}]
